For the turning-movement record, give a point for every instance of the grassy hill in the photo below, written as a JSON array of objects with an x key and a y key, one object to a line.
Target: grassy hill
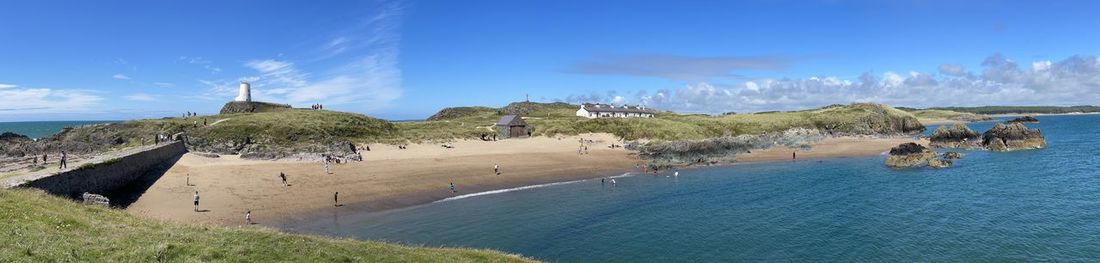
[
  {"x": 928, "y": 116},
  {"x": 1023, "y": 109},
  {"x": 41, "y": 228},
  {"x": 559, "y": 118},
  {"x": 289, "y": 132}
]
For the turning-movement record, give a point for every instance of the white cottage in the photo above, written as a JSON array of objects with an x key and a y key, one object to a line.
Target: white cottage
[{"x": 596, "y": 110}]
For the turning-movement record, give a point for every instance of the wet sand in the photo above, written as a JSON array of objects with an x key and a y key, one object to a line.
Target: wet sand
[{"x": 390, "y": 178}]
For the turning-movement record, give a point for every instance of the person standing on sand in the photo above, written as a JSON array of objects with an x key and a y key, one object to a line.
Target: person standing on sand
[
  {"x": 496, "y": 169},
  {"x": 283, "y": 176},
  {"x": 453, "y": 188},
  {"x": 196, "y": 201},
  {"x": 794, "y": 155},
  {"x": 336, "y": 199},
  {"x": 325, "y": 162},
  {"x": 248, "y": 217}
]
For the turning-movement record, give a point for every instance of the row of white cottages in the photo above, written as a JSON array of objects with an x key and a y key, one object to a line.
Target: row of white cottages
[{"x": 597, "y": 110}]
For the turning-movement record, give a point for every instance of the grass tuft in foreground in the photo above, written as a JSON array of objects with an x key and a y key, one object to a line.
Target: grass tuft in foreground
[{"x": 41, "y": 228}]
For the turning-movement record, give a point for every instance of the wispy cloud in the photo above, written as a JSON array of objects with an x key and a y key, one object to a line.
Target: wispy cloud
[
  {"x": 1001, "y": 81},
  {"x": 675, "y": 67},
  {"x": 366, "y": 76},
  {"x": 141, "y": 97},
  {"x": 204, "y": 63},
  {"x": 163, "y": 84},
  {"x": 19, "y": 100},
  {"x": 7, "y": 86},
  {"x": 120, "y": 77}
]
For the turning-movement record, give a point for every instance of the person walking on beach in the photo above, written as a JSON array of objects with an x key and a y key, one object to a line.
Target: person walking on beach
[
  {"x": 283, "y": 176},
  {"x": 248, "y": 217},
  {"x": 336, "y": 199},
  {"x": 496, "y": 169},
  {"x": 196, "y": 201},
  {"x": 453, "y": 188},
  {"x": 64, "y": 158},
  {"x": 325, "y": 162},
  {"x": 188, "y": 183},
  {"x": 794, "y": 155}
]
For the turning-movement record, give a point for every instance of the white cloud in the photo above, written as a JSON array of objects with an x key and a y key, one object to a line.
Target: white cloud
[
  {"x": 163, "y": 84},
  {"x": 120, "y": 77},
  {"x": 1072, "y": 81},
  {"x": 369, "y": 80},
  {"x": 7, "y": 86},
  {"x": 17, "y": 100},
  {"x": 141, "y": 97}
]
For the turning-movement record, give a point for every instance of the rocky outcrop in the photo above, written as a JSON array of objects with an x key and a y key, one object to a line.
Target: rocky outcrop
[
  {"x": 957, "y": 136},
  {"x": 1014, "y": 136},
  {"x": 952, "y": 155},
  {"x": 1024, "y": 119},
  {"x": 939, "y": 163},
  {"x": 910, "y": 155},
  {"x": 252, "y": 107}
]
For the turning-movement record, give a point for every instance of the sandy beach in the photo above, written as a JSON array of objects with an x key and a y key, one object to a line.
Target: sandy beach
[{"x": 391, "y": 178}]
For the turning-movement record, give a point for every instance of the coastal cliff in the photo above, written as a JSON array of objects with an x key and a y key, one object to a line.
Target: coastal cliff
[{"x": 1014, "y": 136}]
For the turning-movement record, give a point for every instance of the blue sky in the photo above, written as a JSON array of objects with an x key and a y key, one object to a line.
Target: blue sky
[{"x": 62, "y": 60}]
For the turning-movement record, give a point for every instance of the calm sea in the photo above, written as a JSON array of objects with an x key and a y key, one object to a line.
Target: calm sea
[
  {"x": 41, "y": 129},
  {"x": 1036, "y": 205}
]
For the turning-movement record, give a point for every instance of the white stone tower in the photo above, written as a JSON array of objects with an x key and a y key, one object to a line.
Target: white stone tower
[{"x": 246, "y": 92}]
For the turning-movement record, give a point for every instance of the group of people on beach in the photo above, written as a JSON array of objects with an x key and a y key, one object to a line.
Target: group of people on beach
[
  {"x": 62, "y": 163},
  {"x": 317, "y": 107}
]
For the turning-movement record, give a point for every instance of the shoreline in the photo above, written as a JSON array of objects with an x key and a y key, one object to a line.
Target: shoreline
[{"x": 391, "y": 179}]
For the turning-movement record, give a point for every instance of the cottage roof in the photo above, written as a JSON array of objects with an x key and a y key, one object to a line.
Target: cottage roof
[
  {"x": 599, "y": 107},
  {"x": 510, "y": 120}
]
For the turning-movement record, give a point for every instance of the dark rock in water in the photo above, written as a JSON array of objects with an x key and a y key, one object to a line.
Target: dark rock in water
[
  {"x": 1015, "y": 136},
  {"x": 1024, "y": 119},
  {"x": 957, "y": 136},
  {"x": 952, "y": 155},
  {"x": 939, "y": 163},
  {"x": 910, "y": 155},
  {"x": 11, "y": 136}
]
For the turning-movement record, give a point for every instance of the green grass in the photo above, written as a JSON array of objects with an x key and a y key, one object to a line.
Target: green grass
[
  {"x": 1023, "y": 109},
  {"x": 41, "y": 228},
  {"x": 946, "y": 115},
  {"x": 560, "y": 119}
]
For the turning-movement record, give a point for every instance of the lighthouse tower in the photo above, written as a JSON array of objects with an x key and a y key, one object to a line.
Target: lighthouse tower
[{"x": 246, "y": 92}]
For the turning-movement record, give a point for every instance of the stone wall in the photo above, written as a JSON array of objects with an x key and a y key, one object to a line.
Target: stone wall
[{"x": 109, "y": 175}]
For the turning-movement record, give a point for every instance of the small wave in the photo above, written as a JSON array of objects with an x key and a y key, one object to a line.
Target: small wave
[{"x": 523, "y": 188}]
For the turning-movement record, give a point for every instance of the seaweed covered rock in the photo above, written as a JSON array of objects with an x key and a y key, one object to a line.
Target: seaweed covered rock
[
  {"x": 909, "y": 155},
  {"x": 1014, "y": 136},
  {"x": 957, "y": 136},
  {"x": 939, "y": 163},
  {"x": 952, "y": 155},
  {"x": 1024, "y": 119}
]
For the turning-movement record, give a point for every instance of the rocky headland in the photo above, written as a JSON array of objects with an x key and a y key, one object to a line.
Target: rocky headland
[
  {"x": 1013, "y": 136},
  {"x": 910, "y": 155},
  {"x": 956, "y": 136},
  {"x": 1024, "y": 119}
]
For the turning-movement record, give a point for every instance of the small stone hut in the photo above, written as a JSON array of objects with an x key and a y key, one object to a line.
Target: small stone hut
[{"x": 512, "y": 126}]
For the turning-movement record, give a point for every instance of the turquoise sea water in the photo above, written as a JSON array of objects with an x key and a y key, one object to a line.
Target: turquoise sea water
[
  {"x": 41, "y": 129},
  {"x": 1034, "y": 205}
]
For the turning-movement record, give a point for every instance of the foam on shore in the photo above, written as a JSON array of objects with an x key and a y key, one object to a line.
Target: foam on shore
[{"x": 524, "y": 188}]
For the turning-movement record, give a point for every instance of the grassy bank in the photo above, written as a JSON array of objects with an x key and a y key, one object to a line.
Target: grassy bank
[
  {"x": 41, "y": 228},
  {"x": 941, "y": 116},
  {"x": 1023, "y": 109}
]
